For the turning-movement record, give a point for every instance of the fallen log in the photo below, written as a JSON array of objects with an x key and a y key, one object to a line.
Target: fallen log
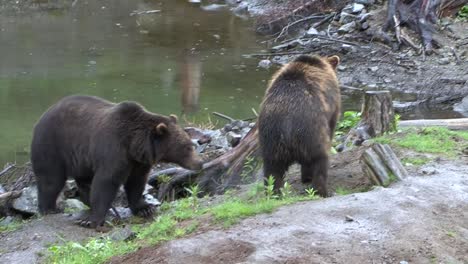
[
  {"x": 452, "y": 124},
  {"x": 381, "y": 165},
  {"x": 216, "y": 176}
]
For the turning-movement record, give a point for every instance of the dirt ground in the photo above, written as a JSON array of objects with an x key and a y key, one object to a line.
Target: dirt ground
[{"x": 423, "y": 219}]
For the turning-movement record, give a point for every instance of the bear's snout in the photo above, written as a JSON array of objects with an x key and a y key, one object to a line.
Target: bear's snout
[{"x": 196, "y": 164}]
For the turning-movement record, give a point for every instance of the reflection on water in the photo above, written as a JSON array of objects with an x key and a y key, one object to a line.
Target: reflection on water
[
  {"x": 180, "y": 59},
  {"x": 171, "y": 56}
]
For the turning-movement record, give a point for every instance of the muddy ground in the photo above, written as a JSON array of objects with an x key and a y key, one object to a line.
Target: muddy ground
[
  {"x": 420, "y": 220},
  {"x": 385, "y": 214}
]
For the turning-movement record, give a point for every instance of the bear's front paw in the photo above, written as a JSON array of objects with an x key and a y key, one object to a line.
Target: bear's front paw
[{"x": 145, "y": 211}]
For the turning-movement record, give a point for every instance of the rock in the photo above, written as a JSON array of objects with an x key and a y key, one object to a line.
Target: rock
[
  {"x": 218, "y": 140},
  {"x": 27, "y": 202},
  {"x": 70, "y": 190},
  {"x": 264, "y": 64},
  {"x": 151, "y": 200},
  {"x": 444, "y": 61},
  {"x": 346, "y": 48},
  {"x": 374, "y": 68},
  {"x": 74, "y": 205},
  {"x": 341, "y": 68},
  {"x": 236, "y": 129},
  {"x": 214, "y": 7},
  {"x": 347, "y": 28},
  {"x": 2, "y": 190},
  {"x": 242, "y": 9},
  {"x": 233, "y": 138},
  {"x": 349, "y": 218},
  {"x": 124, "y": 213},
  {"x": 462, "y": 107},
  {"x": 347, "y": 80},
  {"x": 357, "y": 8},
  {"x": 403, "y": 262},
  {"x": 312, "y": 31},
  {"x": 428, "y": 170},
  {"x": 363, "y": 17},
  {"x": 346, "y": 18},
  {"x": 123, "y": 234},
  {"x": 364, "y": 26}
]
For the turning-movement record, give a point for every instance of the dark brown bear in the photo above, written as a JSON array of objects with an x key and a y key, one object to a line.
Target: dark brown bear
[
  {"x": 297, "y": 120},
  {"x": 104, "y": 146}
]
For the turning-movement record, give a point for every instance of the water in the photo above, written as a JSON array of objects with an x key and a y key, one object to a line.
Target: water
[{"x": 182, "y": 59}]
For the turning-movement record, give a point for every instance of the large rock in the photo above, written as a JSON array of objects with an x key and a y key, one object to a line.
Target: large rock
[
  {"x": 2, "y": 190},
  {"x": 27, "y": 202},
  {"x": 74, "y": 205}
]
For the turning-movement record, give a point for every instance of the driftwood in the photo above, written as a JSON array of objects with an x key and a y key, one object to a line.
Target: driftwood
[
  {"x": 216, "y": 176},
  {"x": 381, "y": 165},
  {"x": 452, "y": 124}
]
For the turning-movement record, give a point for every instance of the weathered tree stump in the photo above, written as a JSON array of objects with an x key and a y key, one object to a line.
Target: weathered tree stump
[
  {"x": 381, "y": 165},
  {"x": 377, "y": 118},
  {"x": 377, "y": 114}
]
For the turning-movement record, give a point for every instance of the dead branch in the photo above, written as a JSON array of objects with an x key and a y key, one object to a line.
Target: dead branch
[
  {"x": 285, "y": 29},
  {"x": 230, "y": 119},
  {"x": 9, "y": 167}
]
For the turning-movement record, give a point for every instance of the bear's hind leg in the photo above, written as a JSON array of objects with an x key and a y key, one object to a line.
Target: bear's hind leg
[
  {"x": 134, "y": 188},
  {"x": 315, "y": 173},
  {"x": 103, "y": 192},
  {"x": 49, "y": 185},
  {"x": 276, "y": 170}
]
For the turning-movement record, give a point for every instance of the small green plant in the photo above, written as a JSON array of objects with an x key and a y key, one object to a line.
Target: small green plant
[
  {"x": 311, "y": 193},
  {"x": 164, "y": 178},
  {"x": 350, "y": 119},
  {"x": 451, "y": 234},
  {"x": 194, "y": 192},
  {"x": 249, "y": 167},
  {"x": 463, "y": 13},
  {"x": 286, "y": 191},
  {"x": 270, "y": 188}
]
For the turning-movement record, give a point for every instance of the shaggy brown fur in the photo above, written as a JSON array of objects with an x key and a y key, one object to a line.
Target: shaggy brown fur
[
  {"x": 297, "y": 119},
  {"x": 103, "y": 146}
]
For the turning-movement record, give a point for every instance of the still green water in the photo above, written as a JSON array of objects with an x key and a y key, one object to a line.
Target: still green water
[{"x": 182, "y": 60}]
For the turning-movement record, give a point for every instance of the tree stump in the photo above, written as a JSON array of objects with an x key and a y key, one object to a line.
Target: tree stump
[
  {"x": 381, "y": 165},
  {"x": 377, "y": 114}
]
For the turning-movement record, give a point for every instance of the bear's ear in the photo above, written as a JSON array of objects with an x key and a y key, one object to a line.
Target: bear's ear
[
  {"x": 173, "y": 118},
  {"x": 161, "y": 129},
  {"x": 334, "y": 61}
]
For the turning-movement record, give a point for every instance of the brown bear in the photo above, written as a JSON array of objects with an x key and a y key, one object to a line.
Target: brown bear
[
  {"x": 103, "y": 146},
  {"x": 297, "y": 120}
]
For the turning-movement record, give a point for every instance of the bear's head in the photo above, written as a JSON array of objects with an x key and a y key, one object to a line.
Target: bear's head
[{"x": 176, "y": 145}]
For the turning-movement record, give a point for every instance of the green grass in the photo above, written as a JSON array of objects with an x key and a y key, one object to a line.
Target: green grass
[
  {"x": 12, "y": 226},
  {"x": 343, "y": 191},
  {"x": 428, "y": 140},
  {"x": 417, "y": 161},
  {"x": 175, "y": 220}
]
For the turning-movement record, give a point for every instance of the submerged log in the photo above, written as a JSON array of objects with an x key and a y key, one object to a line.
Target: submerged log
[
  {"x": 381, "y": 165},
  {"x": 452, "y": 124}
]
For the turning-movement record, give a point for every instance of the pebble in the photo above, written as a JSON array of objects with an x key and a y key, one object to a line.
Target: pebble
[
  {"x": 444, "y": 61},
  {"x": 349, "y": 218},
  {"x": 312, "y": 31},
  {"x": 374, "y": 68},
  {"x": 264, "y": 64}
]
